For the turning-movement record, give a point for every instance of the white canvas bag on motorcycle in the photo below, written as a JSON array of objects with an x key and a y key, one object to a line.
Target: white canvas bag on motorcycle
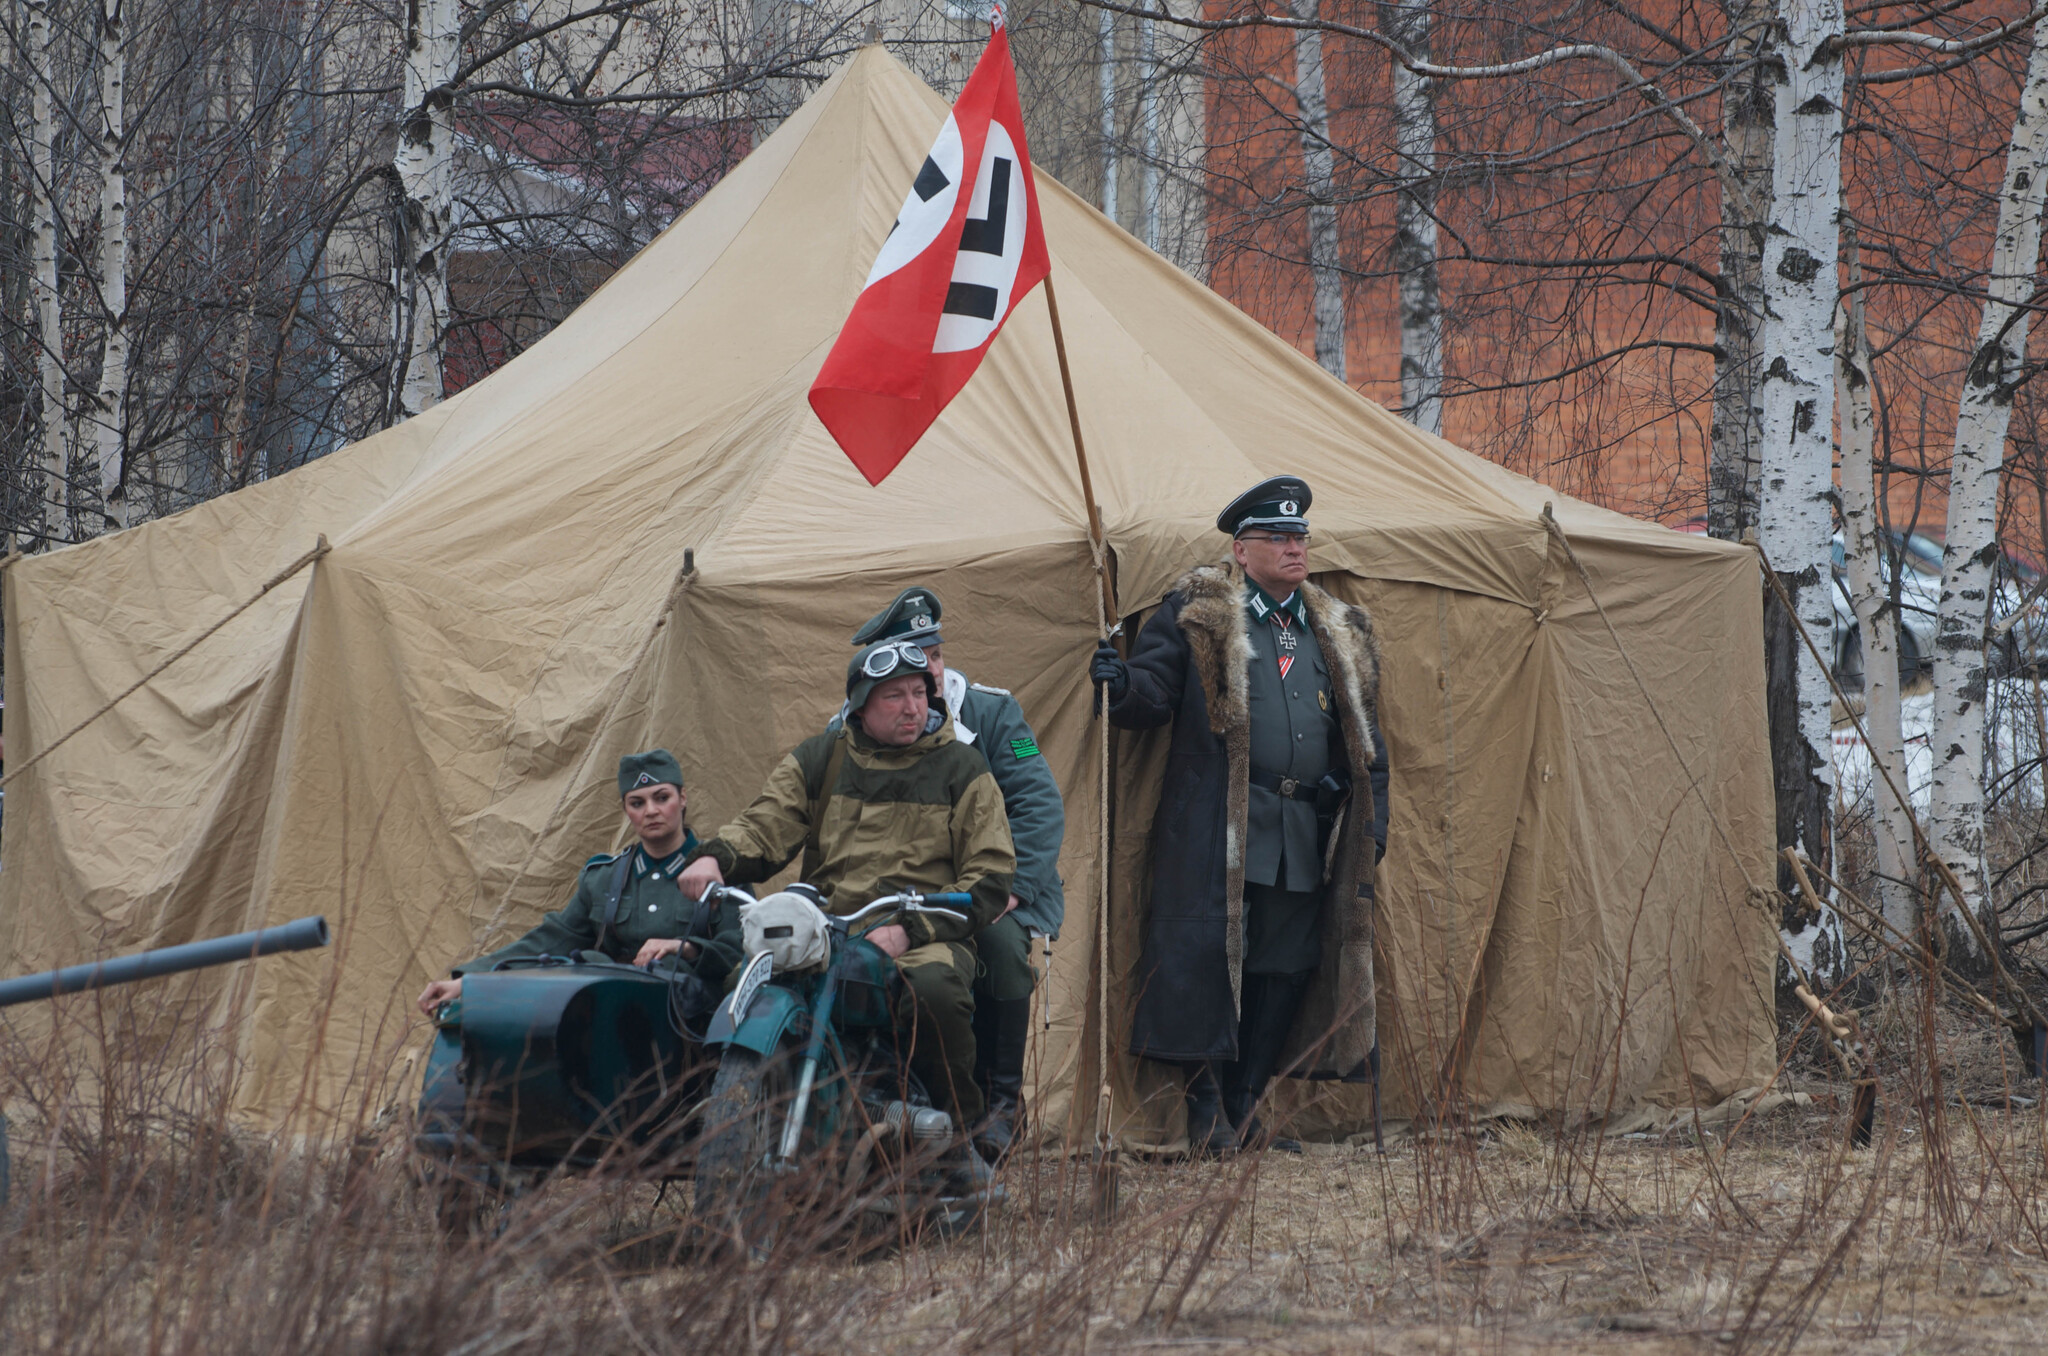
[{"x": 790, "y": 928}]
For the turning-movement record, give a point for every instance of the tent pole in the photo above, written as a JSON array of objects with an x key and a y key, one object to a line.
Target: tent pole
[{"x": 1107, "y": 1173}]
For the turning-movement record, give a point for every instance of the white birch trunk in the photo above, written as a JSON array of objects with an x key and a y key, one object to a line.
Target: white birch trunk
[
  {"x": 1876, "y": 621},
  {"x": 1797, "y": 407},
  {"x": 769, "y": 102},
  {"x": 1970, "y": 553},
  {"x": 55, "y": 445},
  {"x": 1319, "y": 171},
  {"x": 112, "y": 391},
  {"x": 425, "y": 163},
  {"x": 1407, "y": 22},
  {"x": 1734, "y": 469},
  {"x": 1106, "y": 92},
  {"x": 1148, "y": 125}
]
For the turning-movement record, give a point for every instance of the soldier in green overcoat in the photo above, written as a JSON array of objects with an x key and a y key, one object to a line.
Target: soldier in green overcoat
[{"x": 628, "y": 905}]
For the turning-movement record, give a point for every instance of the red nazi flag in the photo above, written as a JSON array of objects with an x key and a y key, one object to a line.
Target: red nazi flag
[{"x": 965, "y": 249}]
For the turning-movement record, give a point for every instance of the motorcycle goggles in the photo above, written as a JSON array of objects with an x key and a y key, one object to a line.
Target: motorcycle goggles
[{"x": 883, "y": 660}]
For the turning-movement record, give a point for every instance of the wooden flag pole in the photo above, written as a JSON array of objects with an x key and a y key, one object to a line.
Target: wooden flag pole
[
  {"x": 1107, "y": 1173},
  {"x": 1095, "y": 540}
]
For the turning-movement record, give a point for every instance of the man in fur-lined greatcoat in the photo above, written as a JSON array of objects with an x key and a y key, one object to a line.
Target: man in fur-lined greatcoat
[{"x": 1258, "y": 942}]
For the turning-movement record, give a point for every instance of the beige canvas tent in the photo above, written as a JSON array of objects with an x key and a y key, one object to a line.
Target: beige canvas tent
[{"x": 415, "y": 734}]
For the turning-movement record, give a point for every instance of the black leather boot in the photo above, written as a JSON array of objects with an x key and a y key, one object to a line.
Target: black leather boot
[
  {"x": 1000, "y": 1055},
  {"x": 1270, "y": 1004},
  {"x": 984, "y": 1038},
  {"x": 1210, "y": 1132}
]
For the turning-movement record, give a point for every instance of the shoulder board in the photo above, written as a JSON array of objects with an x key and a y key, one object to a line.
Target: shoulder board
[
  {"x": 984, "y": 687},
  {"x": 604, "y": 859}
]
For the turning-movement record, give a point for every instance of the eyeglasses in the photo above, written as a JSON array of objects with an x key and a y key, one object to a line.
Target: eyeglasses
[{"x": 884, "y": 660}]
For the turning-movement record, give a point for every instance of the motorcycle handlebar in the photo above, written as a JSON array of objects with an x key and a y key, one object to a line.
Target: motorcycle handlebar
[
  {"x": 913, "y": 903},
  {"x": 908, "y": 902}
]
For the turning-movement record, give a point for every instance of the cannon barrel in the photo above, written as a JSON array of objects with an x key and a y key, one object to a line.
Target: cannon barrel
[{"x": 301, "y": 934}]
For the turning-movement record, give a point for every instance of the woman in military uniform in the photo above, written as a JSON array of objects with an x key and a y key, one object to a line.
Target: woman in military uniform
[{"x": 627, "y": 906}]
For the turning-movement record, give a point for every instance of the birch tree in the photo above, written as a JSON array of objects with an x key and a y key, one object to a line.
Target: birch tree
[
  {"x": 1734, "y": 470},
  {"x": 111, "y": 393},
  {"x": 1319, "y": 171},
  {"x": 1148, "y": 129},
  {"x": 424, "y": 167},
  {"x": 1796, "y": 407},
  {"x": 1971, "y": 550},
  {"x": 1106, "y": 96},
  {"x": 1876, "y": 615},
  {"x": 1407, "y": 22},
  {"x": 261, "y": 274},
  {"x": 54, "y": 437}
]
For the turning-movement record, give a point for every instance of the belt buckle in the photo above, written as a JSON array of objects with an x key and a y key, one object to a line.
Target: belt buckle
[{"x": 1288, "y": 786}]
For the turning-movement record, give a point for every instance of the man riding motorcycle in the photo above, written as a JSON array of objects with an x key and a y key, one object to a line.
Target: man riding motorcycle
[{"x": 889, "y": 802}]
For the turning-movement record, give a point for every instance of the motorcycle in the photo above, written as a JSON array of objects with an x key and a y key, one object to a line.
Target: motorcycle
[{"x": 813, "y": 1111}]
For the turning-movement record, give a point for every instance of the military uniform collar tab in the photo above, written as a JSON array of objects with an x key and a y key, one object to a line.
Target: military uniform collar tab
[
  {"x": 645, "y": 861},
  {"x": 1263, "y": 604}
]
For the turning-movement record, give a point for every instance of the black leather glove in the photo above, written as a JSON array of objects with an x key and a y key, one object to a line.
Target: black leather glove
[{"x": 1109, "y": 669}]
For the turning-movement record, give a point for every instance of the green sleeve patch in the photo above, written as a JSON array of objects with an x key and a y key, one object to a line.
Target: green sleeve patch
[{"x": 1024, "y": 748}]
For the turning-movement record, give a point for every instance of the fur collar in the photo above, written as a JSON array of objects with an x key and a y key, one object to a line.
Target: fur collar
[
  {"x": 1218, "y": 628},
  {"x": 1337, "y": 1012}
]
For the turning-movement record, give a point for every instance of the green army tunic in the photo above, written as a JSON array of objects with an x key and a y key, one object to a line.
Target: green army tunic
[
  {"x": 1295, "y": 740},
  {"x": 989, "y": 719},
  {"x": 651, "y": 906}
]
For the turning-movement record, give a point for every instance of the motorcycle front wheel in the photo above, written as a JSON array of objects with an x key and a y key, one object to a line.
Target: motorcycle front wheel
[{"x": 742, "y": 1127}]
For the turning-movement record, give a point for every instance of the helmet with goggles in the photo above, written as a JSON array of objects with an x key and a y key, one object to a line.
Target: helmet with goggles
[{"x": 876, "y": 664}]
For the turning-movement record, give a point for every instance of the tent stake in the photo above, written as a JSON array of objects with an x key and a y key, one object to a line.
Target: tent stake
[{"x": 1108, "y": 1185}]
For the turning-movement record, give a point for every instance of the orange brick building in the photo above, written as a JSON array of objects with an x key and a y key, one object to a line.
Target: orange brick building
[{"x": 1579, "y": 236}]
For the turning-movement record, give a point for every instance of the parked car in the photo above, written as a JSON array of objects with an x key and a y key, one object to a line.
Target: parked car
[
  {"x": 2019, "y": 637},
  {"x": 1919, "y": 596}
]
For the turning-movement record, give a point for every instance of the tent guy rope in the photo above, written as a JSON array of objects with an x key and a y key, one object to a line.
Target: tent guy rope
[{"x": 320, "y": 548}]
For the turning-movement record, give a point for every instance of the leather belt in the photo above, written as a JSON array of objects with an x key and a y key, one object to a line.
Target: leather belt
[{"x": 1291, "y": 787}]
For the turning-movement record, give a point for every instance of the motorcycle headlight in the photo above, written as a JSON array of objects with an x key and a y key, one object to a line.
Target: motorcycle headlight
[{"x": 791, "y": 929}]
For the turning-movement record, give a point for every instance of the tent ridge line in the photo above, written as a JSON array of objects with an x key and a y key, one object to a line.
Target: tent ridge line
[
  {"x": 1267, "y": 339},
  {"x": 403, "y": 493}
]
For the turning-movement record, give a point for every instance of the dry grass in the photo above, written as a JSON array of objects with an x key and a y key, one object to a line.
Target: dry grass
[{"x": 142, "y": 1222}]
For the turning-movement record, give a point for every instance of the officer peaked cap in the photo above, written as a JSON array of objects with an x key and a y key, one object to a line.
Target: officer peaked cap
[
  {"x": 912, "y": 616},
  {"x": 1276, "y": 505},
  {"x": 655, "y": 767}
]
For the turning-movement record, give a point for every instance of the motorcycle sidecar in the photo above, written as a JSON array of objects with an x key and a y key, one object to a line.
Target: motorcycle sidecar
[{"x": 559, "y": 1063}]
